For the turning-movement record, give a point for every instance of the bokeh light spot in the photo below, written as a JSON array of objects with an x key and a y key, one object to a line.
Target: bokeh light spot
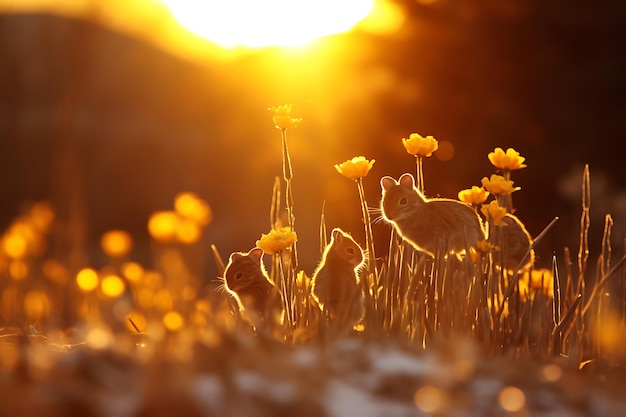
[
  {"x": 430, "y": 399},
  {"x": 163, "y": 300},
  {"x": 55, "y": 271},
  {"x": 551, "y": 373},
  {"x": 188, "y": 232},
  {"x": 42, "y": 215},
  {"x": 18, "y": 270},
  {"x": 173, "y": 321},
  {"x": 36, "y": 305},
  {"x": 116, "y": 243},
  {"x": 193, "y": 208},
  {"x": 112, "y": 286},
  {"x": 87, "y": 279},
  {"x": 446, "y": 150},
  {"x": 133, "y": 271},
  {"x": 511, "y": 399},
  {"x": 98, "y": 338},
  {"x": 163, "y": 225},
  {"x": 15, "y": 246}
]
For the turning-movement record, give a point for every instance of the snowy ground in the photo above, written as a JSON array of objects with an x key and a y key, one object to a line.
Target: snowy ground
[{"x": 242, "y": 377}]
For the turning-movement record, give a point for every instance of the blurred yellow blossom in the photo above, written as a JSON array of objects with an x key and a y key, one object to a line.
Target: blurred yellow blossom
[
  {"x": 37, "y": 305},
  {"x": 112, "y": 286},
  {"x": 116, "y": 243},
  {"x": 420, "y": 146},
  {"x": 163, "y": 225},
  {"x": 493, "y": 212},
  {"x": 303, "y": 281},
  {"x": 277, "y": 240},
  {"x": 356, "y": 168},
  {"x": 282, "y": 117},
  {"x": 509, "y": 160},
  {"x": 173, "y": 321},
  {"x": 497, "y": 184},
  {"x": 192, "y": 207},
  {"x": 87, "y": 279},
  {"x": 475, "y": 195},
  {"x": 482, "y": 247},
  {"x": 540, "y": 280}
]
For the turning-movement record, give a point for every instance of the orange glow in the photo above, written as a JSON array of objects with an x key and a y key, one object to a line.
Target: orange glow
[
  {"x": 116, "y": 243},
  {"x": 173, "y": 321},
  {"x": 15, "y": 246},
  {"x": 112, "y": 286},
  {"x": 189, "y": 27},
  {"x": 188, "y": 232},
  {"x": 42, "y": 215},
  {"x": 87, "y": 279},
  {"x": 256, "y": 24},
  {"x": 430, "y": 399},
  {"x": 191, "y": 207},
  {"x": 162, "y": 226},
  {"x": 18, "y": 270},
  {"x": 139, "y": 320},
  {"x": 133, "y": 271},
  {"x": 445, "y": 151},
  {"x": 55, "y": 271},
  {"x": 99, "y": 338},
  {"x": 511, "y": 399},
  {"x": 36, "y": 305},
  {"x": 163, "y": 300}
]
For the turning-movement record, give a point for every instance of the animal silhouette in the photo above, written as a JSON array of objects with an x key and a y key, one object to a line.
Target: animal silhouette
[
  {"x": 335, "y": 285},
  {"x": 258, "y": 299},
  {"x": 429, "y": 224}
]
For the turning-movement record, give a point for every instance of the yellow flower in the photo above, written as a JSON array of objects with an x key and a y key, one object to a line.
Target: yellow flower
[
  {"x": 540, "y": 280},
  {"x": 356, "y": 168},
  {"x": 494, "y": 212},
  {"x": 509, "y": 160},
  {"x": 277, "y": 240},
  {"x": 475, "y": 195},
  {"x": 282, "y": 117},
  {"x": 498, "y": 185},
  {"x": 482, "y": 247},
  {"x": 303, "y": 281},
  {"x": 420, "y": 146}
]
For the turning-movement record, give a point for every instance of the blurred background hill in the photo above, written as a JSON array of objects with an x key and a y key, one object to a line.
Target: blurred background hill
[{"x": 110, "y": 124}]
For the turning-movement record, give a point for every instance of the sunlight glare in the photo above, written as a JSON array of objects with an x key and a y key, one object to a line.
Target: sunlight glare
[{"x": 256, "y": 23}]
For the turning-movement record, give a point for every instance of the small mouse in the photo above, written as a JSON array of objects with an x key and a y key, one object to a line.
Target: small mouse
[
  {"x": 336, "y": 286},
  {"x": 428, "y": 222},
  {"x": 258, "y": 298},
  {"x": 517, "y": 242}
]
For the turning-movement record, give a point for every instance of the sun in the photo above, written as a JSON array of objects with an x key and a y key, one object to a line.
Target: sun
[{"x": 262, "y": 23}]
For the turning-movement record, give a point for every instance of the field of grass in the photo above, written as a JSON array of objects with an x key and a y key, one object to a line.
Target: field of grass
[{"x": 467, "y": 335}]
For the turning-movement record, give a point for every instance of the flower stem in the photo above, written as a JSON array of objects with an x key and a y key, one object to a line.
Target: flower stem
[
  {"x": 420, "y": 174},
  {"x": 289, "y": 274},
  {"x": 288, "y": 176},
  {"x": 507, "y": 200},
  {"x": 372, "y": 274}
]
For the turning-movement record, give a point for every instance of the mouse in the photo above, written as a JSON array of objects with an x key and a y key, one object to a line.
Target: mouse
[
  {"x": 517, "y": 241},
  {"x": 429, "y": 224},
  {"x": 336, "y": 285},
  {"x": 258, "y": 298}
]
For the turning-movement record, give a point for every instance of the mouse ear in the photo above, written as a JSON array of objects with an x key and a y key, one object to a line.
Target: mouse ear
[
  {"x": 407, "y": 180},
  {"x": 337, "y": 234},
  {"x": 234, "y": 256},
  {"x": 256, "y": 254},
  {"x": 387, "y": 182}
]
